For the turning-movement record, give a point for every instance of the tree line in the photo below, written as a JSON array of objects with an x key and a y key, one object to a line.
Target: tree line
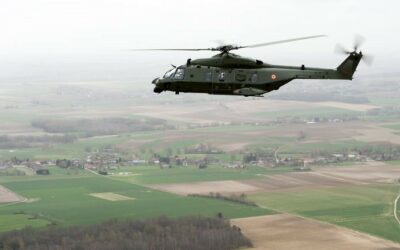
[
  {"x": 241, "y": 199},
  {"x": 11, "y": 172},
  {"x": 7, "y": 142},
  {"x": 101, "y": 126},
  {"x": 195, "y": 233}
]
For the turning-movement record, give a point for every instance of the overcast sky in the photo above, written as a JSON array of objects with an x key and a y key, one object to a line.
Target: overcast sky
[{"x": 46, "y": 33}]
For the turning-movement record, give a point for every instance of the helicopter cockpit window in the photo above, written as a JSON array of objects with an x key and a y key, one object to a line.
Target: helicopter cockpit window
[
  {"x": 169, "y": 73},
  {"x": 221, "y": 76},
  {"x": 179, "y": 74}
]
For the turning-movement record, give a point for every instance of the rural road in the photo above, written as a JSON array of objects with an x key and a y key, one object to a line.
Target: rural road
[
  {"x": 91, "y": 171},
  {"x": 395, "y": 209}
]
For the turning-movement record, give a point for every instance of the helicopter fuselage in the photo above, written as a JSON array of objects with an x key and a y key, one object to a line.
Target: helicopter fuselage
[{"x": 241, "y": 76}]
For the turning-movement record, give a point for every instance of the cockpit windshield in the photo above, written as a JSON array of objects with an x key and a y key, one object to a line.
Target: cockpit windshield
[{"x": 169, "y": 73}]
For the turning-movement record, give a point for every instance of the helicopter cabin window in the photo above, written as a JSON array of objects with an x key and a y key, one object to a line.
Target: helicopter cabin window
[
  {"x": 254, "y": 77},
  {"x": 179, "y": 74},
  {"x": 221, "y": 76},
  {"x": 208, "y": 77}
]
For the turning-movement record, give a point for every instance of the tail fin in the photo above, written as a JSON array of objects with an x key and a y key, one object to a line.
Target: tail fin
[{"x": 349, "y": 65}]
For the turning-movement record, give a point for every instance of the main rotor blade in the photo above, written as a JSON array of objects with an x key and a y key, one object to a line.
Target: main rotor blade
[
  {"x": 169, "y": 49},
  {"x": 227, "y": 48},
  {"x": 280, "y": 41}
]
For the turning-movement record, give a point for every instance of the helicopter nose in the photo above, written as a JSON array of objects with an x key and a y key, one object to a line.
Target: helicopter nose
[
  {"x": 158, "y": 90},
  {"x": 155, "y": 81}
]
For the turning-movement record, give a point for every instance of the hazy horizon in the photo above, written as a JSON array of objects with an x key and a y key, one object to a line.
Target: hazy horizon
[{"x": 64, "y": 39}]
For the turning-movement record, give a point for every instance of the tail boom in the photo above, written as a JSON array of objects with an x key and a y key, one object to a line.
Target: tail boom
[{"x": 349, "y": 65}]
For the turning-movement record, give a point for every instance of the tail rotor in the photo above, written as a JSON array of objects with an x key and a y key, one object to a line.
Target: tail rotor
[{"x": 358, "y": 42}]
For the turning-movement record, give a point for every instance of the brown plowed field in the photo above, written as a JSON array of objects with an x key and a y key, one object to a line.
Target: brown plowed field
[
  {"x": 284, "y": 231},
  {"x": 224, "y": 187}
]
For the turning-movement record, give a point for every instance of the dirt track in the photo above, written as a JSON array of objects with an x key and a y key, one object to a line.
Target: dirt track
[
  {"x": 284, "y": 231},
  {"x": 395, "y": 209},
  {"x": 7, "y": 196}
]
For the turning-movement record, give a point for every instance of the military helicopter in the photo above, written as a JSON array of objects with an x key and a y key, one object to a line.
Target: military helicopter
[{"x": 230, "y": 74}]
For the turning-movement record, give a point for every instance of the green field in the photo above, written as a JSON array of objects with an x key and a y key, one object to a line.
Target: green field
[
  {"x": 393, "y": 126},
  {"x": 155, "y": 175},
  {"x": 364, "y": 208},
  {"x": 64, "y": 198},
  {"x": 66, "y": 201},
  {"x": 76, "y": 149},
  {"x": 19, "y": 221}
]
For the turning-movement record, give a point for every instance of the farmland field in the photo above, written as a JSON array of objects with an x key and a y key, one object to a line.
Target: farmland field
[
  {"x": 309, "y": 113},
  {"x": 347, "y": 193},
  {"x": 366, "y": 208},
  {"x": 68, "y": 201},
  {"x": 18, "y": 221},
  {"x": 287, "y": 231}
]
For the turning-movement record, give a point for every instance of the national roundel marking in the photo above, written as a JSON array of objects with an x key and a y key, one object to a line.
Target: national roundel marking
[{"x": 273, "y": 76}]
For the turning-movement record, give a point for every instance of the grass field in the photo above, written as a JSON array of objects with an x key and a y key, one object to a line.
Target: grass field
[
  {"x": 394, "y": 163},
  {"x": 76, "y": 149},
  {"x": 393, "y": 126},
  {"x": 67, "y": 201},
  {"x": 19, "y": 221},
  {"x": 154, "y": 175},
  {"x": 364, "y": 208}
]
